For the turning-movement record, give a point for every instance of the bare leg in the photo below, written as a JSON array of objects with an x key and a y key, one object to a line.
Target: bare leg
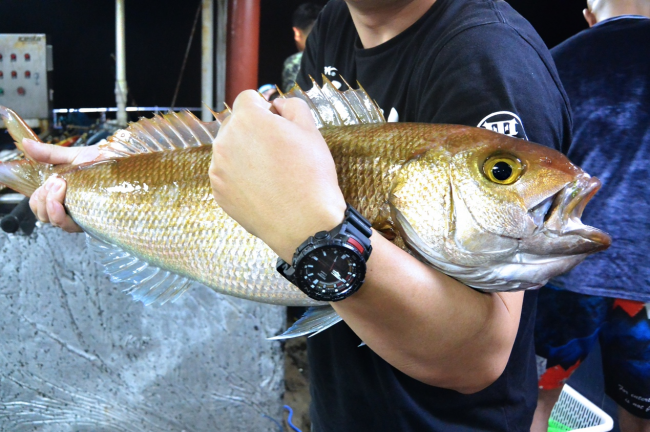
[
  {"x": 545, "y": 401},
  {"x": 630, "y": 423}
]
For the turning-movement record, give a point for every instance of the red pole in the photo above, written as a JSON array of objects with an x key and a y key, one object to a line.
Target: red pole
[{"x": 243, "y": 47}]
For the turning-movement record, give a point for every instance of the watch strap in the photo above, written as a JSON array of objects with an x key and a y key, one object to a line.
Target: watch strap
[
  {"x": 354, "y": 226},
  {"x": 358, "y": 229}
]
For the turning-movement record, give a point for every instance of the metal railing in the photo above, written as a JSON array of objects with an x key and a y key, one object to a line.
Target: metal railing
[{"x": 154, "y": 109}]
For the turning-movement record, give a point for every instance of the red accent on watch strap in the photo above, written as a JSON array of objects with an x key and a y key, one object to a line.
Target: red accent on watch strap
[{"x": 356, "y": 244}]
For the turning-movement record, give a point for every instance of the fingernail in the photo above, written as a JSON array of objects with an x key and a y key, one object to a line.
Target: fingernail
[
  {"x": 56, "y": 186},
  {"x": 48, "y": 185}
]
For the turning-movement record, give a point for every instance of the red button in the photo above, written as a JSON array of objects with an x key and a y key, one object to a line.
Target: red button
[
  {"x": 13, "y": 57},
  {"x": 14, "y": 74},
  {"x": 0, "y": 57},
  {"x": 21, "y": 91},
  {"x": 356, "y": 244},
  {"x": 2, "y": 75},
  {"x": 28, "y": 74},
  {"x": 28, "y": 57}
]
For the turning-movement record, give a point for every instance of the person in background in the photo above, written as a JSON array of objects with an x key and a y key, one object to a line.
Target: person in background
[
  {"x": 302, "y": 20},
  {"x": 606, "y": 73},
  {"x": 438, "y": 355}
]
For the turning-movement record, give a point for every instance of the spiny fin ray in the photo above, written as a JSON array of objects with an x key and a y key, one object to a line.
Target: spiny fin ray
[{"x": 176, "y": 130}]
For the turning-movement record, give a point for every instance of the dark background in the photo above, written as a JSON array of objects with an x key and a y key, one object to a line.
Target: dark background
[{"x": 82, "y": 33}]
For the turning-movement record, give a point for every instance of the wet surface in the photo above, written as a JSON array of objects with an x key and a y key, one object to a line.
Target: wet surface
[
  {"x": 78, "y": 354},
  {"x": 297, "y": 382}
]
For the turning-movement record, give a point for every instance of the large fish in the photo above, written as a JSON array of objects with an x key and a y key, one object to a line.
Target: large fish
[{"x": 495, "y": 212}]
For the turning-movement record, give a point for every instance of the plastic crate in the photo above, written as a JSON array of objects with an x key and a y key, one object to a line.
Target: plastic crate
[{"x": 573, "y": 412}]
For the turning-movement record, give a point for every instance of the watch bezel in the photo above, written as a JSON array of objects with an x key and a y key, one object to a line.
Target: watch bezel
[{"x": 317, "y": 292}]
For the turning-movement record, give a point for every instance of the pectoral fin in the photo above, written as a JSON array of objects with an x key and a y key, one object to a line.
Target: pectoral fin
[
  {"x": 314, "y": 321},
  {"x": 144, "y": 282}
]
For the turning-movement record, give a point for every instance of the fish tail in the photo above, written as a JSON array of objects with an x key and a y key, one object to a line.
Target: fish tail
[
  {"x": 23, "y": 176},
  {"x": 17, "y": 128}
]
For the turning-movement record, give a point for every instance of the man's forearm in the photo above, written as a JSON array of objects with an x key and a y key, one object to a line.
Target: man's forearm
[
  {"x": 430, "y": 326},
  {"x": 426, "y": 324}
]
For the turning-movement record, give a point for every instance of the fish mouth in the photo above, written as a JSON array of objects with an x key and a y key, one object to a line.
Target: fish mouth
[{"x": 559, "y": 215}]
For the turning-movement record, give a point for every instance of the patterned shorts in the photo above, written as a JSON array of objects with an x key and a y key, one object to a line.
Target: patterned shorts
[{"x": 567, "y": 328}]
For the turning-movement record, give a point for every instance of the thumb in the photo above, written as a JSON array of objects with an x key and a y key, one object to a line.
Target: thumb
[
  {"x": 48, "y": 153},
  {"x": 248, "y": 99},
  {"x": 296, "y": 111}
]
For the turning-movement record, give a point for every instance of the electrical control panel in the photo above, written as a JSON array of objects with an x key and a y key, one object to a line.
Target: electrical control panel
[{"x": 25, "y": 75}]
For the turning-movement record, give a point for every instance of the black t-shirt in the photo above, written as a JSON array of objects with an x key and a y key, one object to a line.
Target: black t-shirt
[{"x": 471, "y": 62}]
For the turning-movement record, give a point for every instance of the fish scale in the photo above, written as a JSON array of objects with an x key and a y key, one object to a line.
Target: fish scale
[
  {"x": 154, "y": 222},
  {"x": 143, "y": 204}
]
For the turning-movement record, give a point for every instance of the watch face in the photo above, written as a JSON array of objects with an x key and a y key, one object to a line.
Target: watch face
[{"x": 331, "y": 272}]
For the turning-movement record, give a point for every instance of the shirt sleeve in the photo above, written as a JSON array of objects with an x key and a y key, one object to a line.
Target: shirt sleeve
[{"x": 489, "y": 76}]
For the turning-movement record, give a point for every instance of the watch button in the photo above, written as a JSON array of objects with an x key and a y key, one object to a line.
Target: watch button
[{"x": 320, "y": 235}]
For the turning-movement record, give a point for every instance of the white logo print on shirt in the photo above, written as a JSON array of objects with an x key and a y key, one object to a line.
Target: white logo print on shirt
[
  {"x": 504, "y": 122},
  {"x": 393, "y": 116},
  {"x": 331, "y": 71}
]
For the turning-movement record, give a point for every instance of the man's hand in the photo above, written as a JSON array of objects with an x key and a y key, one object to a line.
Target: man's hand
[
  {"x": 274, "y": 174},
  {"x": 47, "y": 201}
]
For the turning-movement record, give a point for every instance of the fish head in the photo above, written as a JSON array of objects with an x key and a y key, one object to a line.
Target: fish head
[{"x": 495, "y": 212}]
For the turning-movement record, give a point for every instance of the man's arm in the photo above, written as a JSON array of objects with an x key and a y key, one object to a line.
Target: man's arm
[
  {"x": 275, "y": 175},
  {"x": 430, "y": 326}
]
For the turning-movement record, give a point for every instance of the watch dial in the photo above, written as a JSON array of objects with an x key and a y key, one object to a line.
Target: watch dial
[{"x": 331, "y": 270}]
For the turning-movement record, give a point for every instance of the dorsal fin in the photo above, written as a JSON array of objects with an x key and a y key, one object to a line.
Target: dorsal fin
[
  {"x": 176, "y": 130},
  {"x": 332, "y": 107}
]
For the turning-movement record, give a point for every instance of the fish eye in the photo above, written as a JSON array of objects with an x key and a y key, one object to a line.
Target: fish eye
[{"x": 503, "y": 169}]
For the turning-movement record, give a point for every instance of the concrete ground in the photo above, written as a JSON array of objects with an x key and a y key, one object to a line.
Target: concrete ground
[{"x": 296, "y": 376}]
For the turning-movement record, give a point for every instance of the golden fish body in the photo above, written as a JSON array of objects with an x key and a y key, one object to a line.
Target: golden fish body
[
  {"x": 159, "y": 207},
  {"x": 420, "y": 184},
  {"x": 495, "y": 212}
]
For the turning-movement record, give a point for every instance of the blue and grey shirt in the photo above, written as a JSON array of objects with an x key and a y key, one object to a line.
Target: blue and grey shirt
[{"x": 606, "y": 74}]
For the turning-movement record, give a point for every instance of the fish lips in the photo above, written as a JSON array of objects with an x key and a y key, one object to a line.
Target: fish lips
[{"x": 559, "y": 227}]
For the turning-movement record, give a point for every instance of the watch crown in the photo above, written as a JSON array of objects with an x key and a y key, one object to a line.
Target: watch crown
[{"x": 320, "y": 235}]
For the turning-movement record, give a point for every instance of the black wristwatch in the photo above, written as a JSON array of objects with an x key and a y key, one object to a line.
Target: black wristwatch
[{"x": 331, "y": 265}]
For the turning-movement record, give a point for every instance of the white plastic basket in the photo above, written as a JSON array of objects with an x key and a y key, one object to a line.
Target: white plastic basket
[{"x": 578, "y": 413}]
